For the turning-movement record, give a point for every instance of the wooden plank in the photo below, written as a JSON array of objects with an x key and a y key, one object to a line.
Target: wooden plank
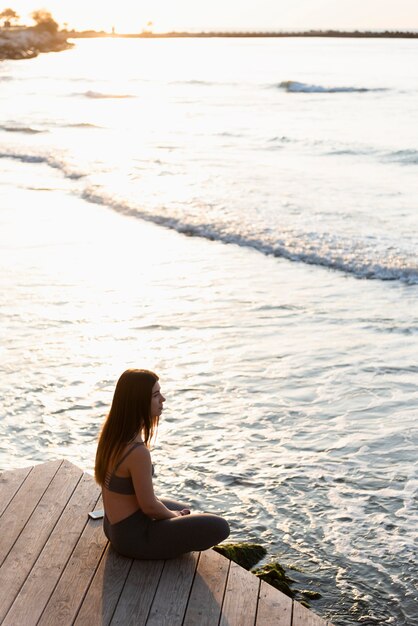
[
  {"x": 23, "y": 504},
  {"x": 35, "y": 593},
  {"x": 10, "y": 483},
  {"x": 205, "y": 602},
  {"x": 103, "y": 594},
  {"x": 240, "y": 601},
  {"x": 274, "y": 607},
  {"x": 68, "y": 595},
  {"x": 44, "y": 509},
  {"x": 33, "y": 537},
  {"x": 139, "y": 591},
  {"x": 173, "y": 591},
  {"x": 304, "y": 617}
]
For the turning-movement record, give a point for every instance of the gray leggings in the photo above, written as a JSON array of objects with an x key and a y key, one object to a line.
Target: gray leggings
[{"x": 141, "y": 537}]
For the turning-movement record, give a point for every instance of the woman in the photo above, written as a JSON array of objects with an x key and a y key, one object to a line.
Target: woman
[{"x": 136, "y": 522}]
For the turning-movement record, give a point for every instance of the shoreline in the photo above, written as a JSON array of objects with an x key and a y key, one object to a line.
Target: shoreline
[
  {"x": 29, "y": 42},
  {"x": 256, "y": 34}
]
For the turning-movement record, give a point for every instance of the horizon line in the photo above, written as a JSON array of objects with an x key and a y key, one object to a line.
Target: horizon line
[{"x": 314, "y": 32}]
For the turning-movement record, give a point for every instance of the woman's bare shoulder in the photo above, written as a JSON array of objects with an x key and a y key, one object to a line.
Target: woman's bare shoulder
[
  {"x": 133, "y": 454},
  {"x": 140, "y": 453},
  {"x": 139, "y": 462}
]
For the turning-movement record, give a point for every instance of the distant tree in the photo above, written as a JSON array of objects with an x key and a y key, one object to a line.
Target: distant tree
[
  {"x": 8, "y": 16},
  {"x": 148, "y": 29},
  {"x": 44, "y": 21}
]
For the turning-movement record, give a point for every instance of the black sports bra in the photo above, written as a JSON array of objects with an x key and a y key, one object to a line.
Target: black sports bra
[{"x": 122, "y": 484}]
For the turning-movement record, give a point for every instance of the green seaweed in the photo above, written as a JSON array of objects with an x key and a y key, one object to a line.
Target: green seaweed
[
  {"x": 249, "y": 554},
  {"x": 274, "y": 574},
  {"x": 312, "y": 595},
  {"x": 295, "y": 568},
  {"x": 245, "y": 554}
]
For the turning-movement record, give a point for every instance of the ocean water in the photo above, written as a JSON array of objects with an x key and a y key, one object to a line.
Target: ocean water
[{"x": 289, "y": 358}]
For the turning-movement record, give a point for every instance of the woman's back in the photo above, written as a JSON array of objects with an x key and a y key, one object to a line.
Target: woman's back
[{"x": 119, "y": 497}]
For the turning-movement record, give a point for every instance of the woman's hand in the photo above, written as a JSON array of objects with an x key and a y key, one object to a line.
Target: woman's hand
[{"x": 183, "y": 512}]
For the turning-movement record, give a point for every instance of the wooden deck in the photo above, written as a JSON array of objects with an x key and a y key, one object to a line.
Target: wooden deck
[{"x": 56, "y": 567}]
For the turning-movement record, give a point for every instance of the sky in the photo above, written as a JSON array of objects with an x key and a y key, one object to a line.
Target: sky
[{"x": 233, "y": 15}]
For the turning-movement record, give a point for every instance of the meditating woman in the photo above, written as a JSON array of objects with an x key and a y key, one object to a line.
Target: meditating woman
[{"x": 136, "y": 522}]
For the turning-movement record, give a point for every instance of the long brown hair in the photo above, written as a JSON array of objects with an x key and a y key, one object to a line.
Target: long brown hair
[{"x": 129, "y": 416}]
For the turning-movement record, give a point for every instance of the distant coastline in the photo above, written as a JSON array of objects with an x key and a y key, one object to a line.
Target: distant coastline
[
  {"x": 369, "y": 34},
  {"x": 28, "y": 42}
]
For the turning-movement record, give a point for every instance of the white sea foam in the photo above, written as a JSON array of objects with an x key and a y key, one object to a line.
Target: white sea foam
[
  {"x": 47, "y": 159},
  {"x": 363, "y": 258}
]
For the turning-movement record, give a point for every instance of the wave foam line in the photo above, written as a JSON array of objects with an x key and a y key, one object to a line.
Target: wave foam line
[
  {"x": 81, "y": 125},
  {"x": 8, "y": 128},
  {"x": 204, "y": 83},
  {"x": 405, "y": 157},
  {"x": 293, "y": 86},
  {"x": 98, "y": 95},
  {"x": 43, "y": 159},
  {"x": 331, "y": 258},
  {"x": 310, "y": 248},
  {"x": 400, "y": 157}
]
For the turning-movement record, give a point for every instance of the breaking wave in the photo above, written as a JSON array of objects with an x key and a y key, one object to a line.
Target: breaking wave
[
  {"x": 293, "y": 86},
  {"x": 46, "y": 159},
  {"x": 82, "y": 125},
  {"x": 362, "y": 257},
  {"x": 27, "y": 130},
  {"x": 404, "y": 157},
  {"x": 195, "y": 81},
  {"x": 97, "y": 95}
]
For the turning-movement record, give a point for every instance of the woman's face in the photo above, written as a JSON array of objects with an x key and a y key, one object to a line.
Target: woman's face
[{"x": 157, "y": 400}]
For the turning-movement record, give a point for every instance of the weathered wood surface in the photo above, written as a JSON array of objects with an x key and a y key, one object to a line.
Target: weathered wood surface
[
  {"x": 240, "y": 599},
  {"x": 56, "y": 567},
  {"x": 207, "y": 593},
  {"x": 274, "y": 609}
]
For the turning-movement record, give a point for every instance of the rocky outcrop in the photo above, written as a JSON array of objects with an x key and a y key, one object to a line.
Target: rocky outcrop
[{"x": 26, "y": 43}]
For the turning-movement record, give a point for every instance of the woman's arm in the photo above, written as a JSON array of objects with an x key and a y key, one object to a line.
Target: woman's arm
[{"x": 140, "y": 468}]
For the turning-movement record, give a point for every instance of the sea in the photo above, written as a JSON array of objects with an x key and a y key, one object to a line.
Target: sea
[{"x": 241, "y": 216}]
